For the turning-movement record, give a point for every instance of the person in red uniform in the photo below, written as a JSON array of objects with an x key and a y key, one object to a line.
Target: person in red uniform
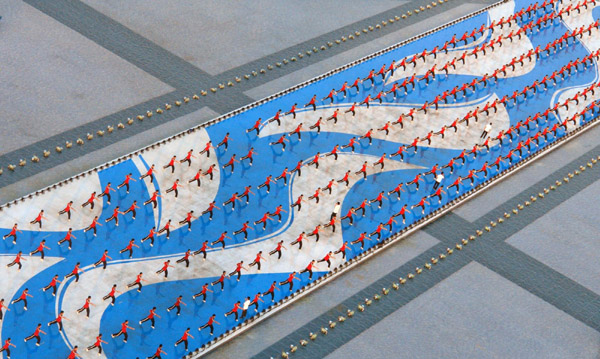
[
  {"x": 175, "y": 187},
  {"x": 299, "y": 240},
  {"x": 93, "y": 225},
  {"x": 73, "y": 354},
  {"x": 246, "y": 193},
  {"x": 249, "y": 156},
  {"x": 292, "y": 111},
  {"x": 178, "y": 302},
  {"x": 257, "y": 260},
  {"x": 36, "y": 335},
  {"x": 238, "y": 270},
  {"x": 284, "y": 174},
  {"x": 377, "y": 231},
  {"x": 402, "y": 212},
  {"x": 188, "y": 158},
  {"x": 343, "y": 249},
  {"x": 278, "y": 249},
  {"x": 86, "y": 306},
  {"x": 132, "y": 209},
  {"x": 111, "y": 294},
  {"x": 346, "y": 178},
  {"x": 138, "y": 281},
  {"x": 67, "y": 210},
  {"x": 349, "y": 215},
  {"x": 221, "y": 239},
  {"x": 271, "y": 290},
  {"x": 263, "y": 220},
  {"x": 234, "y": 310},
  {"x": 210, "y": 171},
  {"x": 202, "y": 293},
  {"x": 327, "y": 259},
  {"x": 165, "y": 268},
  {"x": 224, "y": 141},
  {"x": 361, "y": 239},
  {"x": 309, "y": 268},
  {"x": 23, "y": 298},
  {"x": 416, "y": 180},
  {"x": 115, "y": 216},
  {"x": 267, "y": 183},
  {"x": 58, "y": 320},
  {"x": 52, "y": 285},
  {"x": 256, "y": 127},
  {"x": 290, "y": 280},
  {"x": 40, "y": 249},
  {"x": 123, "y": 331},
  {"x": 379, "y": 199},
  {"x": 315, "y": 160},
  {"x": 281, "y": 141},
  {"x": 129, "y": 247},
  {"x": 315, "y": 232},
  {"x": 185, "y": 258},
  {"x": 153, "y": 199},
  {"x": 150, "y": 236},
  {"x": 184, "y": 339},
  {"x": 39, "y": 218},
  {"x": 316, "y": 195},
  {"x": 13, "y": 233},
  {"x": 202, "y": 250},
  {"x": 97, "y": 344},
  {"x": 150, "y": 317},
  {"x": 106, "y": 192},
  {"x": 210, "y": 209},
  {"x": 230, "y": 163},
  {"x": 197, "y": 177},
  {"x": 6, "y": 347},
  {"x": 363, "y": 170},
  {"x": 312, "y": 102},
  {"x": 234, "y": 197},
  {"x": 210, "y": 324},
  {"x": 75, "y": 272},
  {"x": 166, "y": 228},
  {"x": 188, "y": 219},
  {"x": 126, "y": 182},
  {"x": 456, "y": 184},
  {"x": 149, "y": 173},
  {"x": 17, "y": 261},
  {"x": 220, "y": 280}
]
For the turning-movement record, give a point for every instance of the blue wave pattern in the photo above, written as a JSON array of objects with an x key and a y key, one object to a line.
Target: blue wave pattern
[{"x": 134, "y": 306}]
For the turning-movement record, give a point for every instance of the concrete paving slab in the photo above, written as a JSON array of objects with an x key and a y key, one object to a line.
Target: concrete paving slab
[
  {"x": 569, "y": 247},
  {"x": 475, "y": 313},
  {"x": 52, "y": 78}
]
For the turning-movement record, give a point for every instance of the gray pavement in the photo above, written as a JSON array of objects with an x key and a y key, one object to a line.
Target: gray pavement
[
  {"x": 475, "y": 313},
  {"x": 526, "y": 289}
]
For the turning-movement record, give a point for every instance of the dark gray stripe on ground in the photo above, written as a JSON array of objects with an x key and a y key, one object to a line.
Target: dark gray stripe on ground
[
  {"x": 490, "y": 250},
  {"x": 540, "y": 280},
  {"x": 174, "y": 71},
  {"x": 344, "y": 332},
  {"x": 319, "y": 41}
]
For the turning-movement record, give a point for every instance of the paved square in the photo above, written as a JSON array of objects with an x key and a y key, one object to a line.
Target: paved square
[
  {"x": 54, "y": 79},
  {"x": 571, "y": 246},
  {"x": 475, "y": 313}
]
